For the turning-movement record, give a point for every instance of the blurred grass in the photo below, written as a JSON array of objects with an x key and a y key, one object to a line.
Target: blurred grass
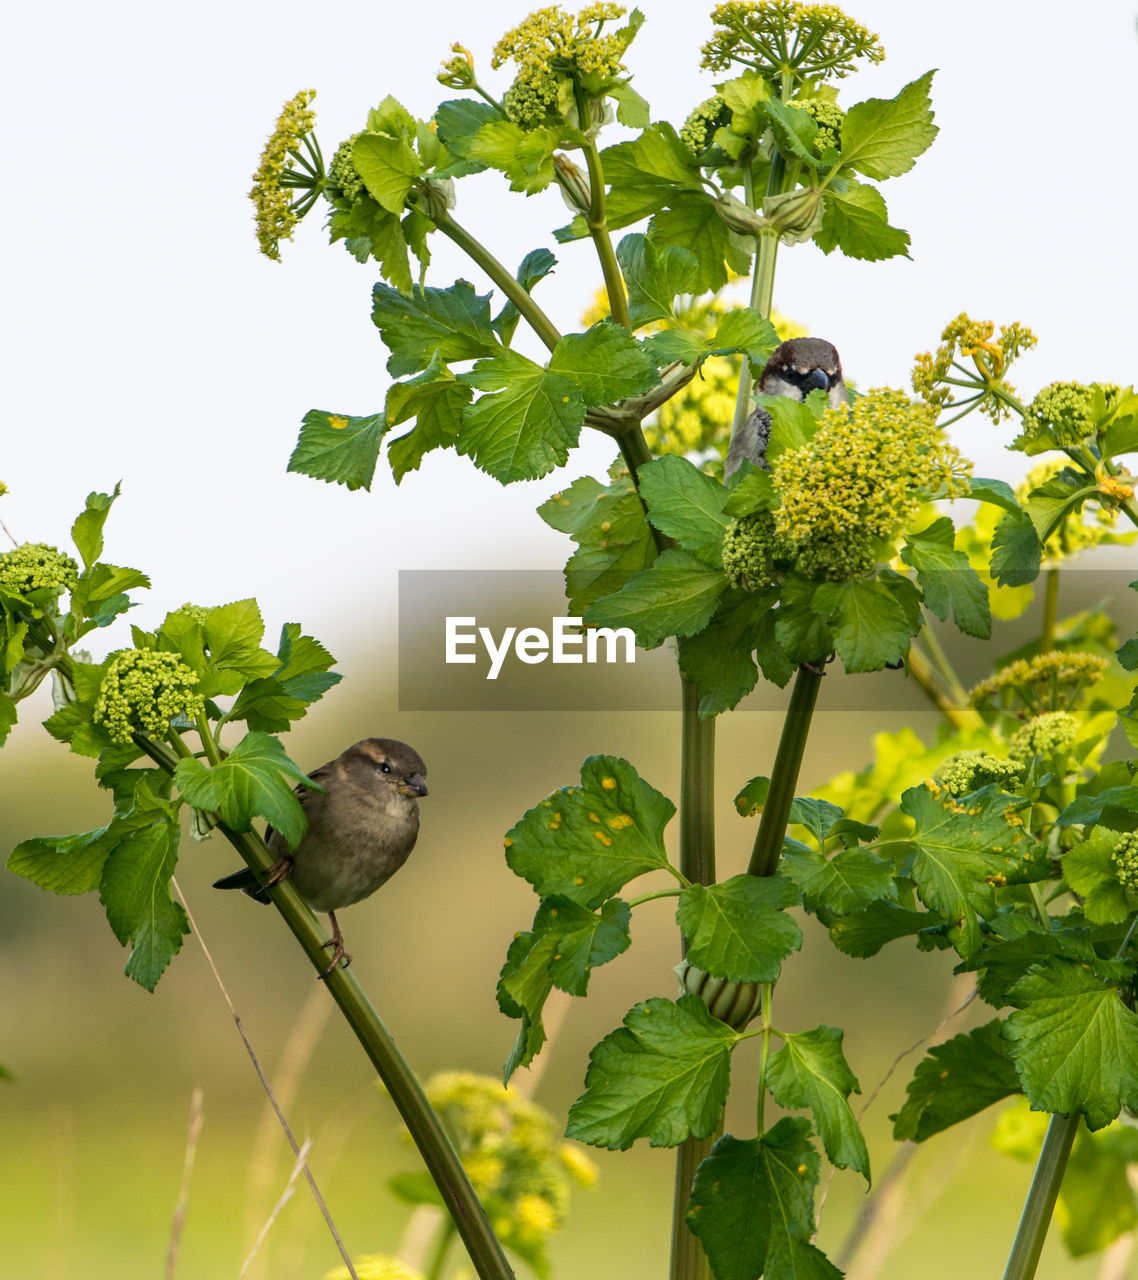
[{"x": 92, "y": 1131}]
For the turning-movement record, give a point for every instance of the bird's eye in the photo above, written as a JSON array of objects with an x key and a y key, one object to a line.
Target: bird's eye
[{"x": 383, "y": 767}]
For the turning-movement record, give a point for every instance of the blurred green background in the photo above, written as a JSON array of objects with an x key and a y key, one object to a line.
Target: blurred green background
[{"x": 94, "y": 1125}]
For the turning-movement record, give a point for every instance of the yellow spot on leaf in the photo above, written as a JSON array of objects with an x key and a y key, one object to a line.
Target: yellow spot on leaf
[
  {"x": 508, "y": 843},
  {"x": 609, "y": 784},
  {"x": 336, "y": 422},
  {"x": 579, "y": 880}
]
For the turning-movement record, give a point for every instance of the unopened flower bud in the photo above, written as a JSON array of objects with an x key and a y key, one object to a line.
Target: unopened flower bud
[
  {"x": 795, "y": 215},
  {"x": 734, "y": 1003},
  {"x": 573, "y": 183},
  {"x": 436, "y": 197},
  {"x": 740, "y": 218}
]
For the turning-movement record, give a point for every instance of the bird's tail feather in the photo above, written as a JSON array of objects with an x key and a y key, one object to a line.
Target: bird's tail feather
[{"x": 247, "y": 882}]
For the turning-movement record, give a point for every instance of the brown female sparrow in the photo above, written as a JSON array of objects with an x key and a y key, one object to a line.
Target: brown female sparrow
[{"x": 361, "y": 828}]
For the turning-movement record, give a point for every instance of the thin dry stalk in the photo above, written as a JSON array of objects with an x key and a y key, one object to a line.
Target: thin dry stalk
[
  {"x": 297, "y": 1053},
  {"x": 197, "y": 1115},
  {"x": 299, "y": 1166},
  {"x": 301, "y": 1162}
]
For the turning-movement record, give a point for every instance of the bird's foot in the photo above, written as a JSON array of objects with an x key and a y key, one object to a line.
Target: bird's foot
[
  {"x": 277, "y": 872},
  {"x": 340, "y": 958}
]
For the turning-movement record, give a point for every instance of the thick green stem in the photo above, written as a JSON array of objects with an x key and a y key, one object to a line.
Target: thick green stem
[
  {"x": 784, "y": 775},
  {"x": 1036, "y": 1216},
  {"x": 1050, "y": 610},
  {"x": 762, "y": 279},
  {"x": 596, "y": 219},
  {"x": 689, "y": 1262},
  {"x": 477, "y": 252},
  {"x": 697, "y": 863},
  {"x": 697, "y": 790},
  {"x": 400, "y": 1081}
]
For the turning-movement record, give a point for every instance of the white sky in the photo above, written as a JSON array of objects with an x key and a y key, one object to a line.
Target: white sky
[{"x": 146, "y": 340}]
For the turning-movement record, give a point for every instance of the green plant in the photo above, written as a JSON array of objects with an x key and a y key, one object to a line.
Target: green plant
[{"x": 1017, "y": 858}]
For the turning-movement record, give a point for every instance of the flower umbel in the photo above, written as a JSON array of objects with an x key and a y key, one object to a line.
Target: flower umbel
[
  {"x": 34, "y": 566},
  {"x": 968, "y": 771},
  {"x": 1048, "y": 682},
  {"x": 786, "y": 41},
  {"x": 934, "y": 376},
  {"x": 458, "y": 72},
  {"x": 1044, "y": 735},
  {"x": 1065, "y": 410},
  {"x": 861, "y": 478},
  {"x": 1124, "y": 855},
  {"x": 553, "y": 51},
  {"x": 277, "y": 211},
  {"x": 143, "y": 690}
]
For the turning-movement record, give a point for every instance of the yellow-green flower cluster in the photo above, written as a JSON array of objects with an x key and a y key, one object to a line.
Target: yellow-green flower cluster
[
  {"x": 550, "y": 47},
  {"x": 1073, "y": 534},
  {"x": 376, "y": 1266},
  {"x": 195, "y": 612},
  {"x": 343, "y": 177},
  {"x": 753, "y": 553},
  {"x": 143, "y": 690},
  {"x": 271, "y": 196},
  {"x": 458, "y": 72},
  {"x": 1044, "y": 735},
  {"x": 698, "y": 130},
  {"x": 991, "y": 355},
  {"x": 860, "y": 480},
  {"x": 781, "y": 37},
  {"x": 968, "y": 771},
  {"x": 1047, "y": 682},
  {"x": 32, "y": 566},
  {"x": 511, "y": 1153},
  {"x": 1063, "y": 409},
  {"x": 828, "y": 116},
  {"x": 1124, "y": 855}
]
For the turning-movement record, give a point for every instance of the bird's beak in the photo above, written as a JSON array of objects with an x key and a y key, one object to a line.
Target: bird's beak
[
  {"x": 415, "y": 785},
  {"x": 818, "y": 380}
]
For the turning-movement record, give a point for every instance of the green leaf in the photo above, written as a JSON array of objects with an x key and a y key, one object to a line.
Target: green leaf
[
  {"x": 1016, "y": 551},
  {"x": 998, "y": 492},
  {"x": 66, "y": 864},
  {"x": 566, "y": 943},
  {"x": 693, "y": 223},
  {"x": 794, "y": 130},
  {"x": 685, "y": 504},
  {"x": 631, "y": 109},
  {"x": 535, "y": 266},
  {"x": 339, "y": 448},
  {"x": 304, "y": 665},
  {"x": 256, "y": 779},
  {"x": 811, "y": 1071},
  {"x": 369, "y": 231},
  {"x": 947, "y": 579},
  {"x": 654, "y": 277},
  {"x": 663, "y": 1076},
  {"x": 435, "y": 399},
  {"x": 865, "y": 932},
  {"x": 388, "y": 168},
  {"x": 8, "y": 716},
  {"x": 453, "y": 324},
  {"x": 87, "y": 531},
  {"x": 956, "y": 1080},
  {"x": 857, "y": 222},
  {"x": 587, "y": 842},
  {"x": 1089, "y": 870},
  {"x": 882, "y": 138},
  {"x": 871, "y": 629},
  {"x": 1097, "y": 1201},
  {"x": 803, "y": 632},
  {"x": 525, "y": 156},
  {"x": 605, "y": 363},
  {"x": 232, "y": 634},
  {"x": 718, "y": 659},
  {"x": 751, "y": 490},
  {"x": 752, "y": 1206},
  {"x": 963, "y": 851},
  {"x": 675, "y": 596},
  {"x": 1074, "y": 1042},
  {"x": 841, "y": 885},
  {"x": 100, "y": 594},
  {"x": 738, "y": 929},
  {"x": 458, "y": 121},
  {"x": 654, "y": 165},
  {"x": 527, "y": 426},
  {"x": 745, "y": 329},
  {"x": 670, "y": 345},
  {"x": 793, "y": 424},
  {"x": 135, "y": 889},
  {"x": 1051, "y": 503}
]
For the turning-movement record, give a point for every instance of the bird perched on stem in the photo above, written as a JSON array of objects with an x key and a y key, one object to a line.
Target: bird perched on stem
[
  {"x": 794, "y": 369},
  {"x": 361, "y": 828}
]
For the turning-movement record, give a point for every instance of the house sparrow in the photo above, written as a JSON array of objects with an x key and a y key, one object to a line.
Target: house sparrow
[
  {"x": 361, "y": 829},
  {"x": 795, "y": 369}
]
